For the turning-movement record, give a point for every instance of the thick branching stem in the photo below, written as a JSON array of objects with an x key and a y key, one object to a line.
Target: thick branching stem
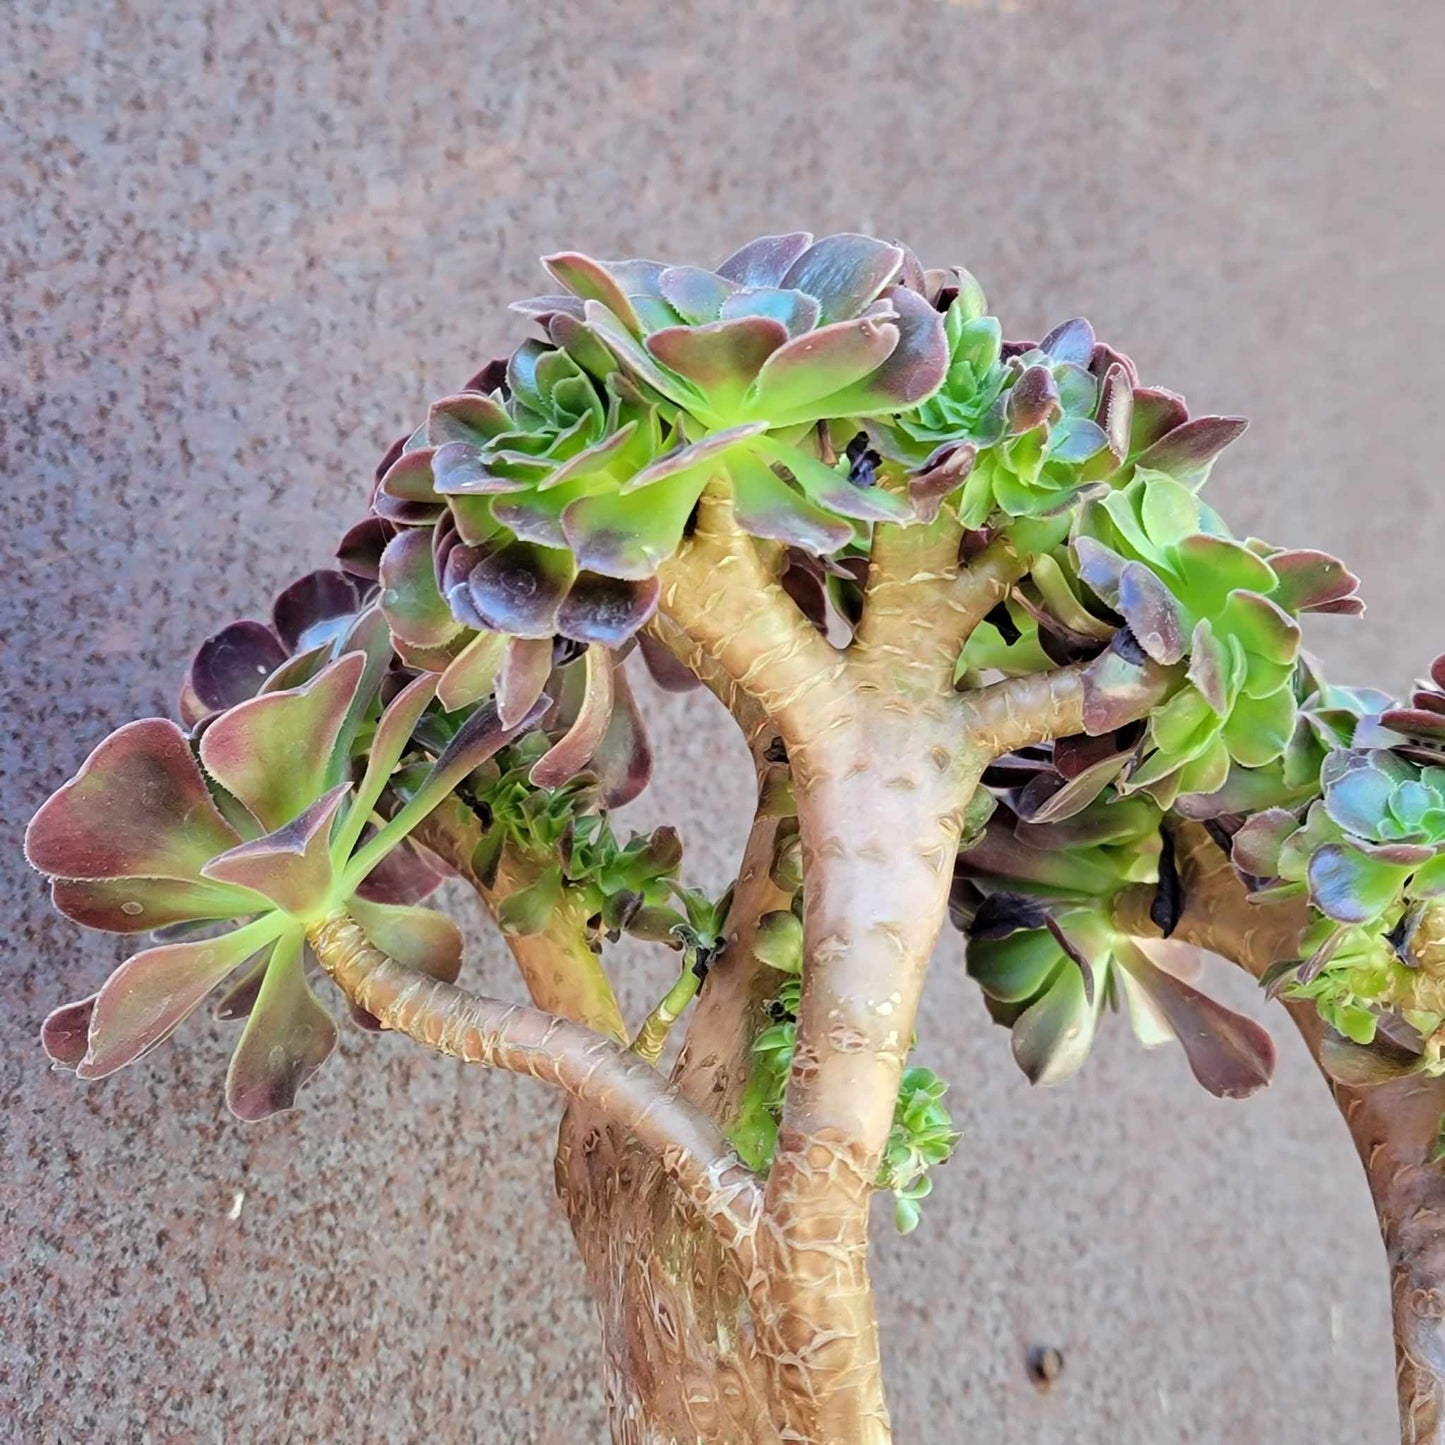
[
  {"x": 921, "y": 604},
  {"x": 590, "y": 1068},
  {"x": 1395, "y": 1126},
  {"x": 562, "y": 972},
  {"x": 880, "y": 817},
  {"x": 717, "y": 591}
]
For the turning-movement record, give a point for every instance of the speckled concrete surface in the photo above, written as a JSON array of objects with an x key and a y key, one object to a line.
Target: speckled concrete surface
[{"x": 242, "y": 243}]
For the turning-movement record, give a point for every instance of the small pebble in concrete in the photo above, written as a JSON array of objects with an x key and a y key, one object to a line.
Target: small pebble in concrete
[{"x": 1045, "y": 1364}]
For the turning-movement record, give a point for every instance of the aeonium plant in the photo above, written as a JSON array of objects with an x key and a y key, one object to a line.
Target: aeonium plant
[{"x": 992, "y": 654}]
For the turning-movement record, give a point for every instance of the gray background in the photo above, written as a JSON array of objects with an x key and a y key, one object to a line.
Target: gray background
[{"x": 243, "y": 244}]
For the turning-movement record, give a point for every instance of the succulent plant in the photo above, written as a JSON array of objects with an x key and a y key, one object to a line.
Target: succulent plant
[
  {"x": 922, "y": 1137},
  {"x": 570, "y": 847},
  {"x": 1190, "y": 594},
  {"x": 1038, "y": 900},
  {"x": 762, "y": 370},
  {"x": 251, "y": 838},
  {"x": 1370, "y": 855}
]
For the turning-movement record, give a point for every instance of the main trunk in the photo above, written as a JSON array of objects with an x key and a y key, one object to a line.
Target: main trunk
[{"x": 681, "y": 1362}]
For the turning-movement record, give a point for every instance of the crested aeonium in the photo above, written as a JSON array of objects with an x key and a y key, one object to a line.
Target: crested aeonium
[{"x": 989, "y": 648}]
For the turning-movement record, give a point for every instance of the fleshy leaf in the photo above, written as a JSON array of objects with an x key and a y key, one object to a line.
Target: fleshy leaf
[
  {"x": 845, "y": 273},
  {"x": 1052, "y": 1037},
  {"x": 138, "y": 807},
  {"x": 230, "y": 666},
  {"x": 572, "y": 752},
  {"x": 593, "y": 281},
  {"x": 151, "y": 992},
  {"x": 632, "y": 536},
  {"x": 291, "y": 866},
  {"x": 765, "y": 261},
  {"x": 519, "y": 589},
  {"x": 313, "y": 609},
  {"x": 65, "y": 1031},
  {"x": 412, "y": 602},
  {"x": 288, "y": 1036},
  {"x": 721, "y": 358},
  {"x": 606, "y": 611},
  {"x": 623, "y": 759},
  {"x": 1350, "y": 886},
  {"x": 1153, "y": 615},
  {"x": 417, "y": 938},
  {"x": 274, "y": 752},
  {"x": 1230, "y": 1055},
  {"x": 1188, "y": 450},
  {"x": 472, "y": 674},
  {"x": 139, "y": 905},
  {"x": 523, "y": 675},
  {"x": 766, "y": 506}
]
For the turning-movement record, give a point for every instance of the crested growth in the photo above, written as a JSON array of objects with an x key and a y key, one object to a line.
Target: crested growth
[{"x": 968, "y": 602}]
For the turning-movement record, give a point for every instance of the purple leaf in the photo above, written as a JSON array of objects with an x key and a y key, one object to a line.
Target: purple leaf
[
  {"x": 1071, "y": 341},
  {"x": 593, "y": 281},
  {"x": 409, "y": 478},
  {"x": 138, "y": 807},
  {"x": 844, "y": 273},
  {"x": 695, "y": 294},
  {"x": 912, "y": 371},
  {"x": 623, "y": 760},
  {"x": 461, "y": 470},
  {"x": 288, "y": 1036},
  {"x": 65, "y": 1031},
  {"x": 765, "y": 261},
  {"x": 274, "y": 752},
  {"x": 469, "y": 416},
  {"x": 664, "y": 669},
  {"x": 313, "y": 609},
  {"x": 796, "y": 310},
  {"x": 1350, "y": 887},
  {"x": 151, "y": 992},
  {"x": 231, "y": 665},
  {"x": 1153, "y": 615},
  {"x": 411, "y": 601},
  {"x": 793, "y": 381},
  {"x": 606, "y": 610},
  {"x": 1256, "y": 846},
  {"x": 523, "y": 675},
  {"x": 1189, "y": 449},
  {"x": 139, "y": 905},
  {"x": 1310, "y": 580},
  {"x": 1230, "y": 1055},
  {"x": 573, "y": 751},
  {"x": 942, "y": 474},
  {"x": 359, "y": 551},
  {"x": 1032, "y": 400},
  {"x": 291, "y": 866},
  {"x": 519, "y": 589},
  {"x": 1156, "y": 414},
  {"x": 406, "y": 875}
]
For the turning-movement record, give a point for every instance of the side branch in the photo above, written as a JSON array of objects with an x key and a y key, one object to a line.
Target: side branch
[
  {"x": 1020, "y": 711},
  {"x": 717, "y": 591},
  {"x": 1395, "y": 1126},
  {"x": 590, "y": 1068},
  {"x": 563, "y": 975},
  {"x": 921, "y": 604}
]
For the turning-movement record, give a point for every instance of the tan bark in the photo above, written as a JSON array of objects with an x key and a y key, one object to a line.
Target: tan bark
[
  {"x": 594, "y": 1070},
  {"x": 1394, "y": 1125}
]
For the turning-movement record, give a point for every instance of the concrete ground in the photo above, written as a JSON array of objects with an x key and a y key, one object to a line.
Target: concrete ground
[{"x": 242, "y": 244}]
